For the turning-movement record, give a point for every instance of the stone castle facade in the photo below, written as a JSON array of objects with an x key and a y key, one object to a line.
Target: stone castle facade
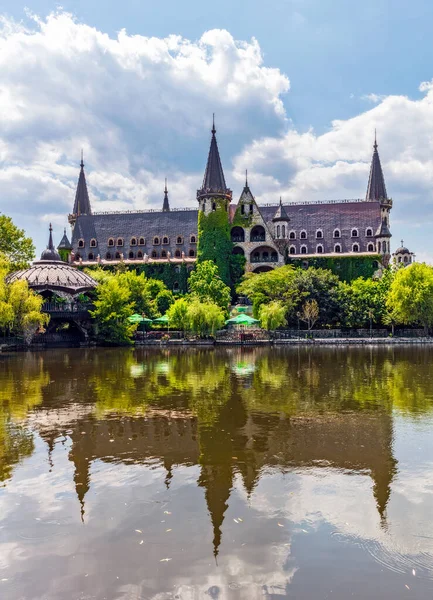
[{"x": 268, "y": 235}]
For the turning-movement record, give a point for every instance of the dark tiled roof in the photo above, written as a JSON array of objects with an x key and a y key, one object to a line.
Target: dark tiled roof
[
  {"x": 280, "y": 214},
  {"x": 102, "y": 227},
  {"x": 214, "y": 180},
  {"x": 344, "y": 216},
  {"x": 383, "y": 229},
  {"x": 54, "y": 276},
  {"x": 376, "y": 189},
  {"x": 82, "y": 202},
  {"x": 65, "y": 244}
]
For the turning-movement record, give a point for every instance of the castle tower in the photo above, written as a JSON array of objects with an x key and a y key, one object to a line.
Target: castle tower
[
  {"x": 82, "y": 202},
  {"x": 65, "y": 247},
  {"x": 214, "y": 194},
  {"x": 166, "y": 203}
]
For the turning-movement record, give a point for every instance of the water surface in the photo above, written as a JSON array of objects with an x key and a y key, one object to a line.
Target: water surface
[{"x": 235, "y": 473}]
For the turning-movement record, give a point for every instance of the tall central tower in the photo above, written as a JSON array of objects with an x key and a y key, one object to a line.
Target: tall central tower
[{"x": 214, "y": 194}]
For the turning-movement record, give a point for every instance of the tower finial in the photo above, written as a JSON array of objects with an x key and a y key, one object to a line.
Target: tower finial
[
  {"x": 82, "y": 158},
  {"x": 213, "y": 124},
  {"x": 166, "y": 203},
  {"x": 375, "y": 139},
  {"x": 165, "y": 189},
  {"x": 402, "y": 243},
  {"x": 50, "y": 239},
  {"x": 246, "y": 177}
]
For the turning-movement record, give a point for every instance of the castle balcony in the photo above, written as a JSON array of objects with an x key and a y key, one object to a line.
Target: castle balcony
[
  {"x": 67, "y": 310},
  {"x": 264, "y": 254}
]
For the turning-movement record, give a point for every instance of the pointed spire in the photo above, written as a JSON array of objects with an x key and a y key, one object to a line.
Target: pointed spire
[
  {"x": 82, "y": 202},
  {"x": 281, "y": 214},
  {"x": 213, "y": 181},
  {"x": 166, "y": 203},
  {"x": 65, "y": 244},
  {"x": 50, "y": 253},
  {"x": 376, "y": 189},
  {"x": 50, "y": 239},
  {"x": 246, "y": 178}
]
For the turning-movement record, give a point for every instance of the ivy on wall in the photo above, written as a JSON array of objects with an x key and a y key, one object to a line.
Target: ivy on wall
[
  {"x": 214, "y": 240},
  {"x": 240, "y": 220},
  {"x": 346, "y": 267}
]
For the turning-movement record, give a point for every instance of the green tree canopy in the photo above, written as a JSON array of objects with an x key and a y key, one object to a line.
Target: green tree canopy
[
  {"x": 273, "y": 315},
  {"x": 113, "y": 306},
  {"x": 14, "y": 245},
  {"x": 323, "y": 287},
  {"x": 278, "y": 284},
  {"x": 411, "y": 295},
  {"x": 206, "y": 285}
]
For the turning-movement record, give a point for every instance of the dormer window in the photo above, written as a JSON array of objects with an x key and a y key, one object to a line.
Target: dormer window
[
  {"x": 81, "y": 243},
  {"x": 119, "y": 241},
  {"x": 337, "y": 234},
  {"x": 111, "y": 242},
  {"x": 156, "y": 241},
  {"x": 369, "y": 232},
  {"x": 319, "y": 234},
  {"x": 179, "y": 239},
  {"x": 354, "y": 233},
  {"x": 133, "y": 241},
  {"x": 141, "y": 241},
  {"x": 93, "y": 243},
  {"x": 193, "y": 239},
  {"x": 303, "y": 235},
  {"x": 165, "y": 240}
]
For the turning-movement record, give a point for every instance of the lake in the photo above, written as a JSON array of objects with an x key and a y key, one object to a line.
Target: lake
[{"x": 229, "y": 473}]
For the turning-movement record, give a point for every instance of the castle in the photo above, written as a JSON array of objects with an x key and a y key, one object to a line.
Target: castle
[{"x": 267, "y": 235}]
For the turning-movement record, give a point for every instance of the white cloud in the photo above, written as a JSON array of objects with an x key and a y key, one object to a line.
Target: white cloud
[{"x": 140, "y": 107}]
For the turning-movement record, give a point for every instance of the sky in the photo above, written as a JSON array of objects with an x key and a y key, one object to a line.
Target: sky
[{"x": 298, "y": 88}]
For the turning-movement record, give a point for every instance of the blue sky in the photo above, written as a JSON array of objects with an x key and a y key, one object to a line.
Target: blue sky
[{"x": 351, "y": 67}]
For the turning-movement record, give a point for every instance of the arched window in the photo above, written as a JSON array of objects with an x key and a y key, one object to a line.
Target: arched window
[
  {"x": 193, "y": 239},
  {"x": 176, "y": 286},
  {"x": 165, "y": 240},
  {"x": 213, "y": 205},
  {"x": 191, "y": 253},
  {"x": 238, "y": 250},
  {"x": 258, "y": 234},
  {"x": 111, "y": 242},
  {"x": 108, "y": 256},
  {"x": 179, "y": 239},
  {"x": 274, "y": 257},
  {"x": 164, "y": 254},
  {"x": 119, "y": 241},
  {"x": 369, "y": 232},
  {"x": 141, "y": 241},
  {"x": 278, "y": 231},
  {"x": 292, "y": 235},
  {"x": 379, "y": 246},
  {"x": 133, "y": 241},
  {"x": 93, "y": 243},
  {"x": 405, "y": 259},
  {"x": 118, "y": 255},
  {"x": 370, "y": 247},
  {"x": 91, "y": 256},
  {"x": 131, "y": 255},
  {"x": 303, "y": 249},
  {"x": 139, "y": 254},
  {"x": 319, "y": 234},
  {"x": 337, "y": 248},
  {"x": 355, "y": 248},
  {"x": 156, "y": 241},
  {"x": 283, "y": 231},
  {"x": 178, "y": 254},
  {"x": 81, "y": 243},
  {"x": 303, "y": 235},
  {"x": 354, "y": 233},
  {"x": 337, "y": 233},
  {"x": 154, "y": 254},
  {"x": 242, "y": 209},
  {"x": 319, "y": 249},
  {"x": 237, "y": 235},
  {"x": 399, "y": 259},
  {"x": 292, "y": 250},
  {"x": 77, "y": 256}
]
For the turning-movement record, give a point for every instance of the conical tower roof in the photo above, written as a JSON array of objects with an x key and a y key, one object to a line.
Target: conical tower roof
[
  {"x": 50, "y": 253},
  {"x": 214, "y": 181},
  {"x": 82, "y": 202},
  {"x": 383, "y": 229},
  {"x": 166, "y": 203},
  {"x": 281, "y": 214},
  {"x": 65, "y": 244},
  {"x": 376, "y": 189}
]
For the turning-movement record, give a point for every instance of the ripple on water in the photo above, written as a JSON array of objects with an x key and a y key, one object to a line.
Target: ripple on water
[{"x": 418, "y": 565}]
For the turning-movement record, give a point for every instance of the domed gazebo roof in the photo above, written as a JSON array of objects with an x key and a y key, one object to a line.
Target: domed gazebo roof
[
  {"x": 402, "y": 249},
  {"x": 52, "y": 274}
]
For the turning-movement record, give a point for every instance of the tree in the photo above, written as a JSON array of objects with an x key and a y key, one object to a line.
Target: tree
[
  {"x": 278, "y": 284},
  {"x": 309, "y": 313},
  {"x": 322, "y": 286},
  {"x": 14, "y": 245},
  {"x": 206, "y": 285},
  {"x": 205, "y": 318},
  {"x": 411, "y": 295},
  {"x": 178, "y": 315},
  {"x": 272, "y": 315},
  {"x": 113, "y": 306},
  {"x": 20, "y": 307}
]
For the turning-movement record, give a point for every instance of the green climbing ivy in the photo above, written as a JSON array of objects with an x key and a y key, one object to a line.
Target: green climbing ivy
[
  {"x": 214, "y": 240},
  {"x": 346, "y": 267}
]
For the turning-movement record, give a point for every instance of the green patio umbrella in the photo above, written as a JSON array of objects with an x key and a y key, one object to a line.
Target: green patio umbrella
[
  {"x": 164, "y": 320},
  {"x": 242, "y": 320},
  {"x": 136, "y": 318}
]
